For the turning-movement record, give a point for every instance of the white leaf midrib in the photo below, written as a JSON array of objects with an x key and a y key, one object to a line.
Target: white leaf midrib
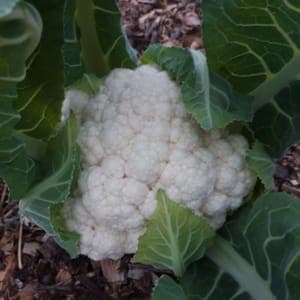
[{"x": 245, "y": 274}]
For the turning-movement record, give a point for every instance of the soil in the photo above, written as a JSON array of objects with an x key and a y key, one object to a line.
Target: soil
[{"x": 32, "y": 266}]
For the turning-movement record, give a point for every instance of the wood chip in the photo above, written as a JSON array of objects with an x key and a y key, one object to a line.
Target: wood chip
[
  {"x": 63, "y": 277},
  {"x": 171, "y": 23},
  {"x": 31, "y": 248},
  {"x": 5, "y": 275}
]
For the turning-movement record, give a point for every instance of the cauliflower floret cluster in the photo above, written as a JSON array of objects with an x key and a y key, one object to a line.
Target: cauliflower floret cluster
[{"x": 136, "y": 138}]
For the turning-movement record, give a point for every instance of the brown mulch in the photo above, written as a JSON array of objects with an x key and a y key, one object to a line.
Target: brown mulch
[
  {"x": 32, "y": 266},
  {"x": 287, "y": 175},
  {"x": 172, "y": 23}
]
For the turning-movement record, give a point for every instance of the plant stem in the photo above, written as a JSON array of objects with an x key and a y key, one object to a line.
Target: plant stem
[{"x": 224, "y": 255}]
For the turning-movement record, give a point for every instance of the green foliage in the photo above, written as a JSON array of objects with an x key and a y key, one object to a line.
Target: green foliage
[
  {"x": 41, "y": 204},
  {"x": 168, "y": 289},
  {"x": 255, "y": 46},
  {"x": 6, "y": 7},
  {"x": 256, "y": 257},
  {"x": 17, "y": 44},
  {"x": 175, "y": 237},
  {"x": 41, "y": 93},
  {"x": 259, "y": 161},
  {"x": 208, "y": 97},
  {"x": 73, "y": 65},
  {"x": 88, "y": 83},
  {"x": 40, "y": 54},
  {"x": 101, "y": 45},
  {"x": 277, "y": 123}
]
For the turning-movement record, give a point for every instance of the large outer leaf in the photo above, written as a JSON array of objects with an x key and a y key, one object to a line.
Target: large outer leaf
[
  {"x": 74, "y": 68},
  {"x": 19, "y": 173},
  {"x": 256, "y": 46},
  {"x": 75, "y": 71},
  {"x": 20, "y": 32},
  {"x": 207, "y": 97},
  {"x": 175, "y": 237},
  {"x": 6, "y": 6},
  {"x": 102, "y": 42},
  {"x": 42, "y": 204},
  {"x": 41, "y": 94},
  {"x": 257, "y": 258}
]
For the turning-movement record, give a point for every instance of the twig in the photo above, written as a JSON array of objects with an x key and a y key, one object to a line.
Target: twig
[
  {"x": 3, "y": 194},
  {"x": 20, "y": 265},
  {"x": 290, "y": 189}
]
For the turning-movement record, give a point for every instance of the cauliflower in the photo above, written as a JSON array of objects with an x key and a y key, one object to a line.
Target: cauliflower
[{"x": 135, "y": 138}]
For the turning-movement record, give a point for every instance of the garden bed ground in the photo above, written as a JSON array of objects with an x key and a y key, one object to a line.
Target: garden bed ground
[{"x": 32, "y": 266}]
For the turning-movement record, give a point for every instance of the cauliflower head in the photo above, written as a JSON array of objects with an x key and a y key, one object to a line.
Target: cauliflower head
[{"x": 135, "y": 138}]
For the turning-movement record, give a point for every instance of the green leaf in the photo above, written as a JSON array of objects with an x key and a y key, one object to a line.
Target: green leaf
[
  {"x": 10, "y": 147},
  {"x": 168, "y": 289},
  {"x": 175, "y": 237},
  {"x": 6, "y": 7},
  {"x": 73, "y": 65},
  {"x": 94, "y": 42},
  {"x": 19, "y": 173},
  {"x": 41, "y": 94},
  {"x": 254, "y": 44},
  {"x": 257, "y": 257},
  {"x": 66, "y": 239},
  {"x": 103, "y": 44},
  {"x": 277, "y": 124},
  {"x": 9, "y": 117},
  {"x": 20, "y": 31},
  {"x": 208, "y": 97},
  {"x": 261, "y": 163},
  {"x": 42, "y": 203},
  {"x": 89, "y": 84}
]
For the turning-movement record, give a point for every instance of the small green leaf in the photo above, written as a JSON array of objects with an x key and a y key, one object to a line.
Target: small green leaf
[
  {"x": 261, "y": 163},
  {"x": 208, "y": 97},
  {"x": 175, "y": 237},
  {"x": 89, "y": 84},
  {"x": 168, "y": 289},
  {"x": 41, "y": 203}
]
